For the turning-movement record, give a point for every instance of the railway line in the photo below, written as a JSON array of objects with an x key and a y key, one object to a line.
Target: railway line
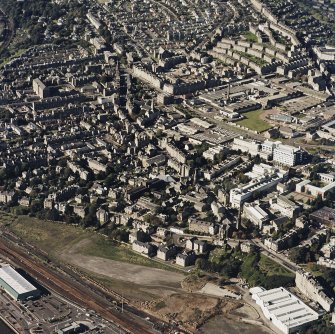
[{"x": 74, "y": 291}]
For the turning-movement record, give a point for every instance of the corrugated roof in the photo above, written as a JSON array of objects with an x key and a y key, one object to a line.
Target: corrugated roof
[
  {"x": 285, "y": 307},
  {"x": 15, "y": 280}
]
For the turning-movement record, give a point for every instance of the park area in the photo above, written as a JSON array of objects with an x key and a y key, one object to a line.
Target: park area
[{"x": 253, "y": 120}]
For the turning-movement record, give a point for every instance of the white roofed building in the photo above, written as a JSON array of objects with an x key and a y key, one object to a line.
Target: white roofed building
[
  {"x": 255, "y": 214},
  {"x": 288, "y": 155},
  {"x": 287, "y": 312},
  {"x": 16, "y": 285}
]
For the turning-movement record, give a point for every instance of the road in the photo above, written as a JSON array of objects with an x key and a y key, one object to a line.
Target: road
[
  {"x": 277, "y": 257},
  {"x": 8, "y": 34}
]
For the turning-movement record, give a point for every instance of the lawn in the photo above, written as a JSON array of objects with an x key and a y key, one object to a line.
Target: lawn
[
  {"x": 253, "y": 121},
  {"x": 250, "y": 37},
  {"x": 314, "y": 269},
  {"x": 254, "y": 59}
]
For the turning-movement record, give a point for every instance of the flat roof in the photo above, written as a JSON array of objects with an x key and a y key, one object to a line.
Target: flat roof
[
  {"x": 257, "y": 211},
  {"x": 286, "y": 148},
  {"x": 325, "y": 213},
  {"x": 15, "y": 280},
  {"x": 285, "y": 307}
]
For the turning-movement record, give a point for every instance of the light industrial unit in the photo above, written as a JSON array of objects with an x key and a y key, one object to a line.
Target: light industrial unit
[
  {"x": 16, "y": 285},
  {"x": 287, "y": 312}
]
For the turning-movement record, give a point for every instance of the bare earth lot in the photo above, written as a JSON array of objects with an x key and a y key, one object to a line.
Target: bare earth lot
[
  {"x": 224, "y": 325},
  {"x": 127, "y": 272}
]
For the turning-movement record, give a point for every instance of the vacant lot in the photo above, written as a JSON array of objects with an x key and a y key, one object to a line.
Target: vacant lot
[
  {"x": 80, "y": 255},
  {"x": 51, "y": 237},
  {"x": 6, "y": 218},
  {"x": 193, "y": 310},
  {"x": 129, "y": 274},
  {"x": 253, "y": 121},
  {"x": 114, "y": 265},
  {"x": 57, "y": 238},
  {"x": 272, "y": 268},
  {"x": 224, "y": 325}
]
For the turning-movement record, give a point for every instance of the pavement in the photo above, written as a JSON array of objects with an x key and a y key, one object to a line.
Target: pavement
[{"x": 214, "y": 290}]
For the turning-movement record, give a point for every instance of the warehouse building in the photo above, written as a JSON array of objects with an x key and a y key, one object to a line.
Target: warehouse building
[
  {"x": 16, "y": 285},
  {"x": 74, "y": 328},
  {"x": 288, "y": 313}
]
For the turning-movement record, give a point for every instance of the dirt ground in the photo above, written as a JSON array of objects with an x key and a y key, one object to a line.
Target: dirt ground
[
  {"x": 128, "y": 272},
  {"x": 169, "y": 295},
  {"x": 193, "y": 283},
  {"x": 192, "y": 310},
  {"x": 244, "y": 319},
  {"x": 210, "y": 315},
  {"x": 223, "y": 325},
  {"x": 155, "y": 281}
]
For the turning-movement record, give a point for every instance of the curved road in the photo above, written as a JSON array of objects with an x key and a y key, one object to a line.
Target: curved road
[{"x": 8, "y": 32}]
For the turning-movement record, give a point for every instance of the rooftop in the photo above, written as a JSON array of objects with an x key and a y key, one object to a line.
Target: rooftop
[
  {"x": 325, "y": 213},
  {"x": 15, "y": 280},
  {"x": 283, "y": 306}
]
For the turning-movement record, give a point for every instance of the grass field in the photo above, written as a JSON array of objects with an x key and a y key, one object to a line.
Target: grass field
[
  {"x": 108, "y": 249},
  {"x": 55, "y": 238},
  {"x": 7, "y": 218},
  {"x": 49, "y": 236},
  {"x": 253, "y": 121},
  {"x": 250, "y": 37},
  {"x": 272, "y": 268}
]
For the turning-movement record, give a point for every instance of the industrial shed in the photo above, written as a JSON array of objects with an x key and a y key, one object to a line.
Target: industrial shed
[
  {"x": 16, "y": 285},
  {"x": 287, "y": 312}
]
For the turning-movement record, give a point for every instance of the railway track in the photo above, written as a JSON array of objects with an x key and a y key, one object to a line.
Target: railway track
[
  {"x": 75, "y": 292},
  {"x": 78, "y": 275}
]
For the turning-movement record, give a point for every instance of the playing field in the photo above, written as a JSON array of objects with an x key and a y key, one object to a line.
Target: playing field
[{"x": 254, "y": 122}]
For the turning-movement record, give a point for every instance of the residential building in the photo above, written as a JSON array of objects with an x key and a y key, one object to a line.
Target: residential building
[
  {"x": 200, "y": 226},
  {"x": 186, "y": 259},
  {"x": 288, "y": 155},
  {"x": 144, "y": 248},
  {"x": 166, "y": 252},
  {"x": 311, "y": 288}
]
